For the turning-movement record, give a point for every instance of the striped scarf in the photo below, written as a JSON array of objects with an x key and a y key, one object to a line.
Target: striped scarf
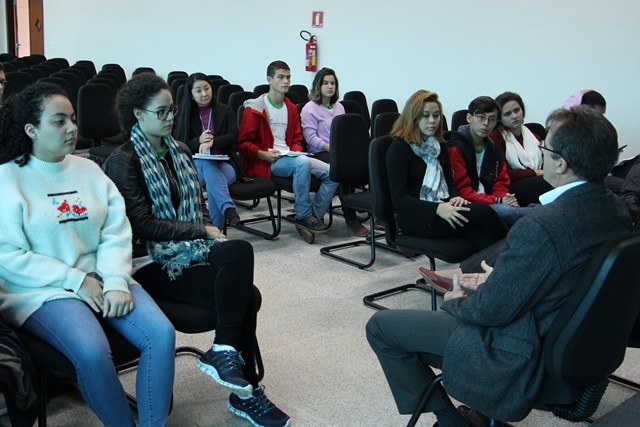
[{"x": 172, "y": 255}]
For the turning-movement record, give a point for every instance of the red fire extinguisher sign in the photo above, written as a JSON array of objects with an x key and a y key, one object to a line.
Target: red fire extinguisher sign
[{"x": 311, "y": 51}]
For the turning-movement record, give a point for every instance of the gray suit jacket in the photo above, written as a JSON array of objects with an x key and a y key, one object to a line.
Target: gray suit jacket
[{"x": 493, "y": 360}]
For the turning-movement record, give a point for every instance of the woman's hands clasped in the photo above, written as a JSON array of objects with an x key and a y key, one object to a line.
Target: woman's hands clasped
[
  {"x": 112, "y": 304},
  {"x": 206, "y": 142},
  {"x": 451, "y": 211}
]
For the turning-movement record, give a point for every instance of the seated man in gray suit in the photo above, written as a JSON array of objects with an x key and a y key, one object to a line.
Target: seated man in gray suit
[{"x": 488, "y": 342}]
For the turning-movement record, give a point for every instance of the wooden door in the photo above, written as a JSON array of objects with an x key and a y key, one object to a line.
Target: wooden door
[{"x": 36, "y": 27}]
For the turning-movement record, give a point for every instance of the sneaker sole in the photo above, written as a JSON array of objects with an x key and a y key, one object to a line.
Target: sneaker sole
[
  {"x": 247, "y": 417},
  {"x": 311, "y": 230},
  {"x": 240, "y": 391}
]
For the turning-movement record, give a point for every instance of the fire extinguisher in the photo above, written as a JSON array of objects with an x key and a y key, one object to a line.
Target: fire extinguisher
[{"x": 311, "y": 50}]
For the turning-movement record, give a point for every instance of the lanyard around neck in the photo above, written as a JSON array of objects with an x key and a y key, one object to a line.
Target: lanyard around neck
[{"x": 209, "y": 123}]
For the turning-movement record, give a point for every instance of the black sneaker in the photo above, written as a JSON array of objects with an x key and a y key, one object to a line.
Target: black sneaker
[
  {"x": 226, "y": 368},
  {"x": 312, "y": 223},
  {"x": 258, "y": 409}
]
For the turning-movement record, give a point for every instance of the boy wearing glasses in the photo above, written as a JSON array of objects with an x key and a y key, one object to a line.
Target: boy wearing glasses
[{"x": 479, "y": 171}]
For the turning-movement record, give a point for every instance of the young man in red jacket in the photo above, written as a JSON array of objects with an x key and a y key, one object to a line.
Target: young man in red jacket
[
  {"x": 269, "y": 138},
  {"x": 479, "y": 170}
]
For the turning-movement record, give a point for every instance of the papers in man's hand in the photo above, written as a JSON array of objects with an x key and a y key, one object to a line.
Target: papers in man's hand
[{"x": 218, "y": 157}]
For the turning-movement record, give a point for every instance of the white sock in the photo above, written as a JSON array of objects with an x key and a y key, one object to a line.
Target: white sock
[{"x": 223, "y": 347}]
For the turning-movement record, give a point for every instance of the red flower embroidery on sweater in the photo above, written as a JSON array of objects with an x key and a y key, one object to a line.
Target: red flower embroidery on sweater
[
  {"x": 64, "y": 206},
  {"x": 78, "y": 209}
]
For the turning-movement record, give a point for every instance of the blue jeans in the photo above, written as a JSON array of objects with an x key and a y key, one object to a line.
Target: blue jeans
[
  {"x": 72, "y": 327},
  {"x": 301, "y": 168},
  {"x": 217, "y": 177}
]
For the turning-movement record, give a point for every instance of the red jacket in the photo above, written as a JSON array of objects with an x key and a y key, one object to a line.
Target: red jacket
[
  {"x": 493, "y": 171},
  {"x": 255, "y": 134}
]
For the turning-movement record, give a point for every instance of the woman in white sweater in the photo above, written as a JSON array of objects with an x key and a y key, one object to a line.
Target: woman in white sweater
[{"x": 65, "y": 259}]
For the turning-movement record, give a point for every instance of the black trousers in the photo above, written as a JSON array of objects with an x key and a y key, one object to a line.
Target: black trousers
[
  {"x": 483, "y": 229},
  {"x": 225, "y": 286}
]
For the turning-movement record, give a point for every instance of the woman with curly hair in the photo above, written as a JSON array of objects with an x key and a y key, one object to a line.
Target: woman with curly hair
[{"x": 65, "y": 260}]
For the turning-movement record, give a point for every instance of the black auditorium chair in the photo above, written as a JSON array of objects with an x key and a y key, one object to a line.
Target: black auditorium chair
[
  {"x": 215, "y": 84},
  {"x": 260, "y": 89},
  {"x": 45, "y": 68},
  {"x": 458, "y": 118},
  {"x": 113, "y": 75},
  {"x": 361, "y": 99},
  {"x": 19, "y": 64},
  {"x": 4, "y": 57},
  {"x": 215, "y": 77},
  {"x": 237, "y": 99},
  {"x": 224, "y": 91},
  {"x": 105, "y": 81},
  {"x": 293, "y": 97},
  {"x": 80, "y": 74},
  {"x": 537, "y": 129},
  {"x": 141, "y": 70},
  {"x": 301, "y": 91},
  {"x": 351, "y": 106},
  {"x": 179, "y": 94},
  {"x": 350, "y": 168},
  {"x": 383, "y": 123},
  {"x": 587, "y": 340},
  {"x": 72, "y": 85},
  {"x": 16, "y": 81},
  {"x": 89, "y": 65},
  {"x": 97, "y": 120},
  {"x": 175, "y": 85},
  {"x": 451, "y": 249},
  {"x": 176, "y": 75},
  {"x": 384, "y": 105},
  {"x": 121, "y": 76},
  {"x": 35, "y": 73},
  {"x": 64, "y": 63}
]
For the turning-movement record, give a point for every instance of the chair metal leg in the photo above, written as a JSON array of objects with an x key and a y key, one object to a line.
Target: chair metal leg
[
  {"x": 369, "y": 300},
  {"x": 423, "y": 401},
  {"x": 42, "y": 414},
  {"x": 254, "y": 204},
  {"x": 625, "y": 382},
  {"x": 186, "y": 349},
  {"x": 274, "y": 219}
]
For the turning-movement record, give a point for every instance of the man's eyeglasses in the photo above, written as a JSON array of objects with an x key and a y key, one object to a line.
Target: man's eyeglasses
[
  {"x": 3, "y": 83},
  {"x": 542, "y": 147},
  {"x": 482, "y": 118},
  {"x": 163, "y": 113}
]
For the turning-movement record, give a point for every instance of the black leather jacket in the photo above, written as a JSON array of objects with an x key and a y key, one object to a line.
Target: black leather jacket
[{"x": 125, "y": 170}]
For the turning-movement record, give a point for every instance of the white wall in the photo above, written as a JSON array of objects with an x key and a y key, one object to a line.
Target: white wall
[
  {"x": 3, "y": 28},
  {"x": 544, "y": 50}
]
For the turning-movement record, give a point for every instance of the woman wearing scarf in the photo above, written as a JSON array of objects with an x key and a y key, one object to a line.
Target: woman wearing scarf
[
  {"x": 189, "y": 260},
  {"x": 520, "y": 148},
  {"x": 424, "y": 195}
]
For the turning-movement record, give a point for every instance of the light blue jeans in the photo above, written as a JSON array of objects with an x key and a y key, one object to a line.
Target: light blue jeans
[
  {"x": 71, "y": 326},
  {"x": 301, "y": 168},
  {"x": 217, "y": 177}
]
